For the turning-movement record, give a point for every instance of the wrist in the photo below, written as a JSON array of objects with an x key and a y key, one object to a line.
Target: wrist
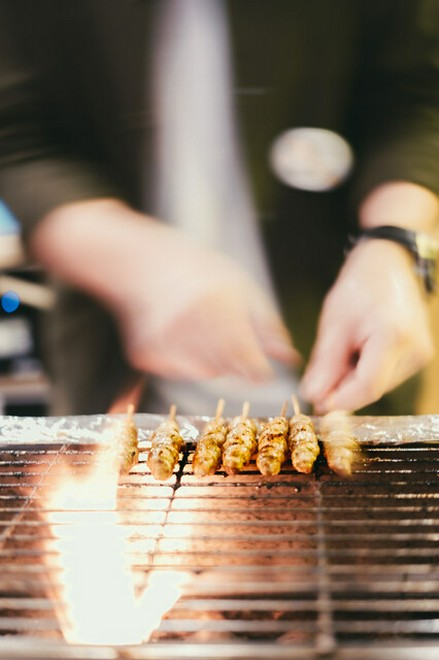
[
  {"x": 421, "y": 246},
  {"x": 400, "y": 204}
]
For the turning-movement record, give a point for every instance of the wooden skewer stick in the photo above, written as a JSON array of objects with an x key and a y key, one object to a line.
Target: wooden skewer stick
[
  {"x": 283, "y": 410},
  {"x": 172, "y": 412},
  {"x": 296, "y": 406},
  {"x": 245, "y": 409},
  {"x": 219, "y": 409}
]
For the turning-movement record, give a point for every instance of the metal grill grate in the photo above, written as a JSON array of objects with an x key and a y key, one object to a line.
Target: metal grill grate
[{"x": 292, "y": 566}]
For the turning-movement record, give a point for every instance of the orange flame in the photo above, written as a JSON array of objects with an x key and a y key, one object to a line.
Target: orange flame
[{"x": 95, "y": 585}]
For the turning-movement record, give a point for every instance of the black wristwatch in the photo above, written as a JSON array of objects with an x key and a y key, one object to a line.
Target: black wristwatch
[{"x": 422, "y": 246}]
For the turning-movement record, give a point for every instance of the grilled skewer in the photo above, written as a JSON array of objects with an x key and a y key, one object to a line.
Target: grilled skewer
[
  {"x": 273, "y": 444},
  {"x": 302, "y": 441},
  {"x": 166, "y": 443},
  {"x": 123, "y": 450},
  {"x": 208, "y": 453},
  {"x": 240, "y": 442},
  {"x": 340, "y": 446}
]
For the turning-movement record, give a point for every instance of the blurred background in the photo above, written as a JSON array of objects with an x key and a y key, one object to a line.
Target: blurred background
[
  {"x": 103, "y": 116},
  {"x": 24, "y": 297}
]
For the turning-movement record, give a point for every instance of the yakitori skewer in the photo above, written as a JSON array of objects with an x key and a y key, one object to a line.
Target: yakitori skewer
[
  {"x": 302, "y": 440},
  {"x": 166, "y": 443},
  {"x": 208, "y": 452},
  {"x": 126, "y": 443},
  {"x": 241, "y": 442},
  {"x": 273, "y": 444},
  {"x": 340, "y": 446}
]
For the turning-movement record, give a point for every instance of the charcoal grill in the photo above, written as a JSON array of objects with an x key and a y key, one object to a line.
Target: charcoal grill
[{"x": 291, "y": 566}]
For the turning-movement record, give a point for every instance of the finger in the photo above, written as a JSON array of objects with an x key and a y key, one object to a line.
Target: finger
[
  {"x": 175, "y": 365},
  {"x": 277, "y": 344},
  {"x": 275, "y": 338},
  {"x": 241, "y": 352},
  {"x": 378, "y": 370},
  {"x": 281, "y": 351},
  {"x": 331, "y": 361},
  {"x": 212, "y": 346},
  {"x": 246, "y": 332}
]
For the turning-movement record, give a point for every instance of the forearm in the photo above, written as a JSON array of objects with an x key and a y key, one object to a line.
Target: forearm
[
  {"x": 95, "y": 245},
  {"x": 402, "y": 204},
  {"x": 184, "y": 310}
]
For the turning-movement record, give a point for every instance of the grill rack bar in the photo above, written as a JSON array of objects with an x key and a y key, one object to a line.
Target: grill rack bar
[
  {"x": 23, "y": 649},
  {"x": 325, "y": 543}
]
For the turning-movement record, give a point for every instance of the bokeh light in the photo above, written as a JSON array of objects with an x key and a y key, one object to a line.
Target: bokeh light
[{"x": 10, "y": 302}]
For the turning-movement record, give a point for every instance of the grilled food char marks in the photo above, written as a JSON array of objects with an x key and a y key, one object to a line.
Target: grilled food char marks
[
  {"x": 209, "y": 451},
  {"x": 272, "y": 446},
  {"x": 303, "y": 443},
  {"x": 241, "y": 442},
  {"x": 166, "y": 442},
  {"x": 123, "y": 449},
  {"x": 233, "y": 444},
  {"x": 128, "y": 446}
]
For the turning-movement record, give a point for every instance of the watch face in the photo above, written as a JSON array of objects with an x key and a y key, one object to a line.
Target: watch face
[
  {"x": 312, "y": 159},
  {"x": 426, "y": 246}
]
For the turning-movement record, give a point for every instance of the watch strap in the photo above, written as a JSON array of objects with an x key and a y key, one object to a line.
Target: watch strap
[{"x": 422, "y": 246}]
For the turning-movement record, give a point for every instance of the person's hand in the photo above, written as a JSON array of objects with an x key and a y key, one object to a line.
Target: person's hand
[
  {"x": 193, "y": 313},
  {"x": 373, "y": 332},
  {"x": 184, "y": 311}
]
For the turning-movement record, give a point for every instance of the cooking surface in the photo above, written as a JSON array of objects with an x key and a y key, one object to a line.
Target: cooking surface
[{"x": 292, "y": 566}]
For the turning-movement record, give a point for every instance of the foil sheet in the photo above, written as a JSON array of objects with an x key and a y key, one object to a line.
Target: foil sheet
[{"x": 93, "y": 429}]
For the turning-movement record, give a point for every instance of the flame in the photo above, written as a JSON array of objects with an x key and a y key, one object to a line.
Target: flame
[{"x": 96, "y": 594}]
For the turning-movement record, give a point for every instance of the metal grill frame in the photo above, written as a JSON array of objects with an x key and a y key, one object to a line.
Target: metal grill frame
[{"x": 313, "y": 547}]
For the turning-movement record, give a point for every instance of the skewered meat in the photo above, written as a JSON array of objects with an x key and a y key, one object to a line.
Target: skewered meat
[
  {"x": 166, "y": 443},
  {"x": 272, "y": 446},
  {"x": 303, "y": 443},
  {"x": 208, "y": 453},
  {"x": 240, "y": 444},
  {"x": 127, "y": 447},
  {"x": 340, "y": 446},
  {"x": 122, "y": 451}
]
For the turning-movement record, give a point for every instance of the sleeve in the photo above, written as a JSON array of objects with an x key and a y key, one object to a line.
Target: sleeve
[
  {"x": 396, "y": 100},
  {"x": 39, "y": 168}
]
